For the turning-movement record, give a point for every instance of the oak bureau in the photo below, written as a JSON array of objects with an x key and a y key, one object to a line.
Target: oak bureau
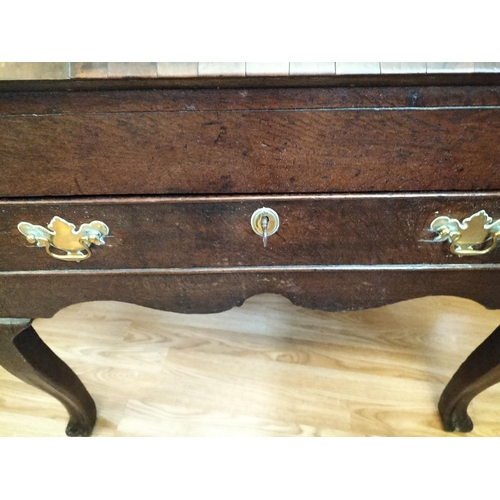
[{"x": 339, "y": 193}]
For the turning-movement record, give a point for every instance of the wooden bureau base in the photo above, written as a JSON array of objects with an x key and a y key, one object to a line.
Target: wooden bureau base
[
  {"x": 25, "y": 355},
  {"x": 356, "y": 174}
]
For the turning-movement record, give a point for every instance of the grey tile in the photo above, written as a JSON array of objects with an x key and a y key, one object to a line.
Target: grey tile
[
  {"x": 403, "y": 67},
  {"x": 89, "y": 70},
  {"x": 358, "y": 68},
  {"x": 34, "y": 70},
  {"x": 487, "y": 67},
  {"x": 130, "y": 69},
  {"x": 267, "y": 68},
  {"x": 312, "y": 68},
  {"x": 221, "y": 69},
  {"x": 450, "y": 67},
  {"x": 178, "y": 69}
]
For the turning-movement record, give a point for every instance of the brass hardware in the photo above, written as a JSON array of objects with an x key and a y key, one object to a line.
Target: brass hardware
[
  {"x": 63, "y": 236},
  {"x": 475, "y": 235},
  {"x": 265, "y": 222}
]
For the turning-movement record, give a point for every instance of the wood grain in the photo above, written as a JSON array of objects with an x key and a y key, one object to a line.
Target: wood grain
[
  {"x": 242, "y": 82},
  {"x": 336, "y": 150},
  {"x": 26, "y": 356},
  {"x": 290, "y": 146},
  {"x": 41, "y": 295},
  {"x": 265, "y": 369},
  {"x": 216, "y": 232},
  {"x": 407, "y": 95}
]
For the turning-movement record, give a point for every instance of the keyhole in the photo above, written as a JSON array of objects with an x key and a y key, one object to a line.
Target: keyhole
[{"x": 265, "y": 225}]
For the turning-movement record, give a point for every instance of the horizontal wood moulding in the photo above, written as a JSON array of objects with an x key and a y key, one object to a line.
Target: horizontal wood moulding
[
  {"x": 228, "y": 82},
  {"x": 170, "y": 100},
  {"x": 216, "y": 232},
  {"x": 269, "y": 149},
  {"x": 42, "y": 296}
]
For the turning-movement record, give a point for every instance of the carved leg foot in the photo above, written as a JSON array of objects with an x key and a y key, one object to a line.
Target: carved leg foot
[
  {"x": 24, "y": 354},
  {"x": 479, "y": 371}
]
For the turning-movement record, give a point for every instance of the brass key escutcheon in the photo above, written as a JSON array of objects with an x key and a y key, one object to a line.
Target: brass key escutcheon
[{"x": 265, "y": 222}]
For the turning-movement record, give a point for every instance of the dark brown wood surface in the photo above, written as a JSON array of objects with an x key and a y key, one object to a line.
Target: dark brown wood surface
[
  {"x": 42, "y": 295},
  {"x": 267, "y": 82},
  {"x": 24, "y": 354},
  {"x": 198, "y": 254},
  {"x": 157, "y": 100},
  {"x": 216, "y": 232},
  {"x": 280, "y": 145},
  {"x": 479, "y": 371}
]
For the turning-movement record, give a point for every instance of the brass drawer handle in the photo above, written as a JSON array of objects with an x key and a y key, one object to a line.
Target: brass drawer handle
[
  {"x": 475, "y": 235},
  {"x": 265, "y": 222},
  {"x": 62, "y": 235}
]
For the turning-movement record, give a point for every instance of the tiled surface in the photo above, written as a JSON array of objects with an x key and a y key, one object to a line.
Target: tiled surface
[
  {"x": 82, "y": 70},
  {"x": 34, "y": 71},
  {"x": 358, "y": 68},
  {"x": 89, "y": 70},
  {"x": 312, "y": 68},
  {"x": 488, "y": 67},
  {"x": 267, "y": 68},
  {"x": 403, "y": 67},
  {"x": 177, "y": 69},
  {"x": 139, "y": 69},
  {"x": 221, "y": 69},
  {"x": 450, "y": 67}
]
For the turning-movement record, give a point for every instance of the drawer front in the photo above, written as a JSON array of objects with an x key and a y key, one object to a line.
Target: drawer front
[
  {"x": 216, "y": 232},
  {"x": 250, "y": 151}
]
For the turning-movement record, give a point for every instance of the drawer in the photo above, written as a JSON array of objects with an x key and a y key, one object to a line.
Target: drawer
[
  {"x": 249, "y": 151},
  {"x": 202, "y": 232}
]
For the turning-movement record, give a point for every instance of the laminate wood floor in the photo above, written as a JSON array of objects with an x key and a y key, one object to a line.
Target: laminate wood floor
[{"x": 266, "y": 369}]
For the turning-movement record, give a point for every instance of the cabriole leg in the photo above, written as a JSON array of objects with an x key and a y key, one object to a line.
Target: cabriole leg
[
  {"x": 478, "y": 372},
  {"x": 24, "y": 354}
]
